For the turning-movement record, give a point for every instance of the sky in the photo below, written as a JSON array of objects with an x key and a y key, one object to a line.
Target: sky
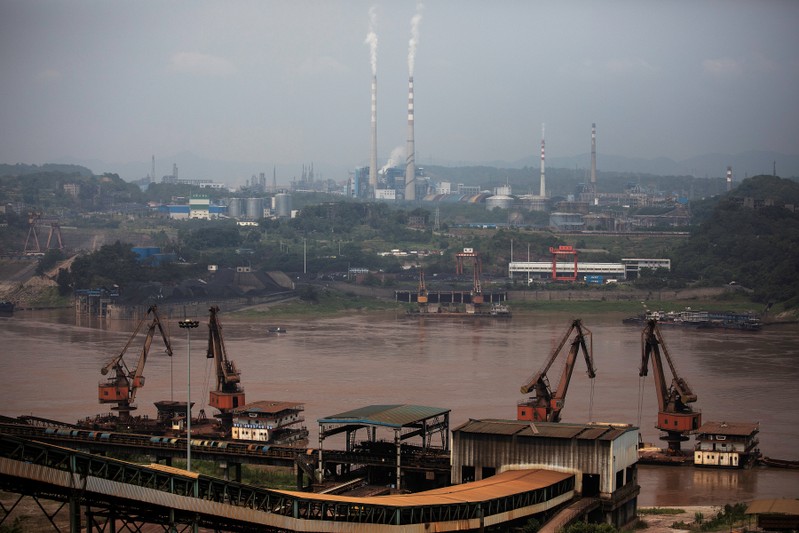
[{"x": 286, "y": 83}]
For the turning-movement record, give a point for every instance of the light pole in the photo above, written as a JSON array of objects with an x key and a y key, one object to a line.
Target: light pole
[{"x": 188, "y": 325}]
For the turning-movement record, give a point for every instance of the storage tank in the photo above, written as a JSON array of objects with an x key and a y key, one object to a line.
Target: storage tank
[
  {"x": 283, "y": 205},
  {"x": 255, "y": 208},
  {"x": 499, "y": 200},
  {"x": 234, "y": 208}
]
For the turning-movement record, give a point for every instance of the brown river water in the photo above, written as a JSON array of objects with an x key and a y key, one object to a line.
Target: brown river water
[{"x": 50, "y": 365}]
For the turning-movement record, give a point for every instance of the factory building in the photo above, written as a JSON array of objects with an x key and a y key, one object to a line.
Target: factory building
[
  {"x": 603, "y": 458},
  {"x": 629, "y": 268}
]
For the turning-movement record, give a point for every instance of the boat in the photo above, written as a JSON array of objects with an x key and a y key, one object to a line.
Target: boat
[
  {"x": 689, "y": 318},
  {"x": 460, "y": 311},
  {"x": 778, "y": 463},
  {"x": 6, "y": 308},
  {"x": 276, "y": 330},
  {"x": 500, "y": 311}
]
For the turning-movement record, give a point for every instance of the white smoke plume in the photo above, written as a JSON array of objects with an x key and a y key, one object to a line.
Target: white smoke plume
[
  {"x": 397, "y": 156},
  {"x": 414, "y": 41},
  {"x": 371, "y": 38}
]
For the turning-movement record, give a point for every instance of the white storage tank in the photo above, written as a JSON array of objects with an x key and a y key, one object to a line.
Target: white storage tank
[
  {"x": 255, "y": 208},
  {"x": 283, "y": 205},
  {"x": 234, "y": 208},
  {"x": 499, "y": 200}
]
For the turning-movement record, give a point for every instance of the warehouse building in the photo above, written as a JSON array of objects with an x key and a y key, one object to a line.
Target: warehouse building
[{"x": 603, "y": 458}]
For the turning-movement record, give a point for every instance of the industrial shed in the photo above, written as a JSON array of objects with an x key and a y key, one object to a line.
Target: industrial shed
[
  {"x": 775, "y": 515},
  {"x": 428, "y": 427},
  {"x": 602, "y": 456}
]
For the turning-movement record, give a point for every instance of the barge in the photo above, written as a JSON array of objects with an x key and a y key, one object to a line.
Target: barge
[{"x": 700, "y": 319}]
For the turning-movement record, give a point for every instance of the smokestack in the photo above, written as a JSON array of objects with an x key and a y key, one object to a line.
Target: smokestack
[
  {"x": 410, "y": 168},
  {"x": 543, "y": 175},
  {"x": 373, "y": 158},
  {"x": 593, "y": 155},
  {"x": 729, "y": 179},
  {"x": 152, "y": 176}
]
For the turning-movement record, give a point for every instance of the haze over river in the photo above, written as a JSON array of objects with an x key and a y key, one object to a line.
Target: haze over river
[{"x": 50, "y": 364}]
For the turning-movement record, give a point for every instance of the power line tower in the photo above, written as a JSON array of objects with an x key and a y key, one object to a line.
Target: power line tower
[{"x": 437, "y": 222}]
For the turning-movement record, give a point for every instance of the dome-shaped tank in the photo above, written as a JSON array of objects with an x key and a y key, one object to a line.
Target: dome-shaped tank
[{"x": 499, "y": 200}]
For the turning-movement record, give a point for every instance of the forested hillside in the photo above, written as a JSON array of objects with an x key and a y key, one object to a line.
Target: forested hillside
[{"x": 751, "y": 238}]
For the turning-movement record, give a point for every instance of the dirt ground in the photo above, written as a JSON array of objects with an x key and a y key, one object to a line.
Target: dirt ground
[{"x": 662, "y": 523}]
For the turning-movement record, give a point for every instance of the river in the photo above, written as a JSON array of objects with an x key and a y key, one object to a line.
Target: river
[{"x": 51, "y": 363}]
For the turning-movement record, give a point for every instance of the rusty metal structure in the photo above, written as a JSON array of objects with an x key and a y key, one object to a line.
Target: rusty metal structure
[
  {"x": 675, "y": 417},
  {"x": 229, "y": 394},
  {"x": 546, "y": 404},
  {"x": 122, "y": 385},
  {"x": 477, "y": 271},
  {"x": 98, "y": 493},
  {"x": 563, "y": 251}
]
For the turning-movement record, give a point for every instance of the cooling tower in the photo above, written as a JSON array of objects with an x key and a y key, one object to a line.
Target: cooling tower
[{"x": 410, "y": 167}]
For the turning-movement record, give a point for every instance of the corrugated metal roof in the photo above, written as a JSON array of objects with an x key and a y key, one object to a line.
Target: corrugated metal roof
[
  {"x": 741, "y": 429},
  {"x": 492, "y": 427},
  {"x": 397, "y": 415},
  {"x": 501, "y": 485},
  {"x": 268, "y": 406},
  {"x": 780, "y": 506},
  {"x": 551, "y": 430}
]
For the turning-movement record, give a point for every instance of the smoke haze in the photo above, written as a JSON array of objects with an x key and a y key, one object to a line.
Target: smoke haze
[
  {"x": 414, "y": 41},
  {"x": 371, "y": 38}
]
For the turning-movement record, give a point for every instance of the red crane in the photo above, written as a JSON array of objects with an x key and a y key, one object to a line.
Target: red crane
[
  {"x": 675, "y": 417},
  {"x": 546, "y": 404},
  {"x": 229, "y": 393},
  {"x": 121, "y": 387}
]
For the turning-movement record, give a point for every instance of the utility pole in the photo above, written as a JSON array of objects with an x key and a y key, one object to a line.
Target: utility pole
[{"x": 188, "y": 325}]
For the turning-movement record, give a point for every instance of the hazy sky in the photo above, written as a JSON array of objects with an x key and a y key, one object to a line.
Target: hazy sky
[{"x": 288, "y": 82}]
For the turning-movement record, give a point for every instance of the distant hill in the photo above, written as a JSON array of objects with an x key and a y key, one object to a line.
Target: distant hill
[
  {"x": 237, "y": 172},
  {"x": 21, "y": 169},
  {"x": 743, "y": 165},
  {"x": 751, "y": 238}
]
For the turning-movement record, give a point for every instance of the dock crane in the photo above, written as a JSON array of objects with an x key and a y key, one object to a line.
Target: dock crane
[
  {"x": 546, "y": 404},
  {"x": 422, "y": 297},
  {"x": 229, "y": 393},
  {"x": 675, "y": 417},
  {"x": 121, "y": 386}
]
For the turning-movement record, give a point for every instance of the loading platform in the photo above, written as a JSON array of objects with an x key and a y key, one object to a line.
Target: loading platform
[{"x": 99, "y": 491}]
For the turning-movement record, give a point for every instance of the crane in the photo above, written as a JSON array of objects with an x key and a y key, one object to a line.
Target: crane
[
  {"x": 422, "y": 297},
  {"x": 229, "y": 393},
  {"x": 546, "y": 404},
  {"x": 121, "y": 386},
  {"x": 675, "y": 417}
]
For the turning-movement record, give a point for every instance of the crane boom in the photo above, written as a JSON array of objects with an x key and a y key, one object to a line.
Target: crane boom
[
  {"x": 546, "y": 404},
  {"x": 229, "y": 393},
  {"x": 121, "y": 388},
  {"x": 675, "y": 417}
]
